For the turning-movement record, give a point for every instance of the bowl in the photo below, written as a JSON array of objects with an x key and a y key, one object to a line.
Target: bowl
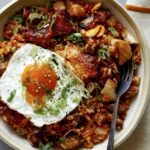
[{"x": 139, "y": 102}]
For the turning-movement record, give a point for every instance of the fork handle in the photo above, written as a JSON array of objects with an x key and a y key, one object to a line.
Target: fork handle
[{"x": 110, "y": 144}]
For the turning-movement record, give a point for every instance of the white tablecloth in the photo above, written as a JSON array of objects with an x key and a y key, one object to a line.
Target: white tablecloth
[{"x": 140, "y": 139}]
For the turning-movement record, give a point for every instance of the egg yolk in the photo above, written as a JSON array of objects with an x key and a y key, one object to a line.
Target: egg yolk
[{"x": 39, "y": 79}]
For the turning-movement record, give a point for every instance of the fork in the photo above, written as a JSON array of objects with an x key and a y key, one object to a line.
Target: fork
[{"x": 126, "y": 79}]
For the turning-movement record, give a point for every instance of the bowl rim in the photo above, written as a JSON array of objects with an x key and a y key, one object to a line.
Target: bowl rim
[{"x": 146, "y": 83}]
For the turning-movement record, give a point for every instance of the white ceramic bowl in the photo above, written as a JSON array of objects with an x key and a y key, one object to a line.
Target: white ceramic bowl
[{"x": 139, "y": 103}]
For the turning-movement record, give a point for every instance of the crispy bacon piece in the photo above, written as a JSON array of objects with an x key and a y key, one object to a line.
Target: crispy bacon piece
[
  {"x": 62, "y": 26},
  {"x": 41, "y": 37},
  {"x": 85, "y": 65}
]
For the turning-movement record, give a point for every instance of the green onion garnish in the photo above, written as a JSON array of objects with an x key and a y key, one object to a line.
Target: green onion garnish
[
  {"x": 103, "y": 52},
  {"x": 113, "y": 31},
  {"x": 42, "y": 24},
  {"x": 45, "y": 147},
  {"x": 11, "y": 96},
  {"x": 18, "y": 19},
  {"x": 15, "y": 30},
  {"x": 76, "y": 100},
  {"x": 75, "y": 38},
  {"x": 34, "y": 16},
  {"x": 61, "y": 103},
  {"x": 40, "y": 112},
  {"x": 53, "y": 111}
]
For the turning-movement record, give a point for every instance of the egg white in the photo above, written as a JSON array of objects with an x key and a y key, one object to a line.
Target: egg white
[{"x": 11, "y": 80}]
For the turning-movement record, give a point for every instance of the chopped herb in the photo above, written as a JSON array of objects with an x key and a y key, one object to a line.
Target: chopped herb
[
  {"x": 103, "y": 52},
  {"x": 64, "y": 92},
  {"x": 18, "y": 19},
  {"x": 113, "y": 31},
  {"x": 33, "y": 52},
  {"x": 76, "y": 100},
  {"x": 40, "y": 111},
  {"x": 15, "y": 30},
  {"x": 53, "y": 111},
  {"x": 49, "y": 96},
  {"x": 11, "y": 96},
  {"x": 75, "y": 38},
  {"x": 34, "y": 16},
  {"x": 47, "y": 91},
  {"x": 73, "y": 82},
  {"x": 24, "y": 91},
  {"x": 61, "y": 103},
  {"x": 55, "y": 61},
  {"x": 42, "y": 24},
  {"x": 2, "y": 59},
  {"x": 46, "y": 146},
  {"x": 45, "y": 17},
  {"x": 35, "y": 9}
]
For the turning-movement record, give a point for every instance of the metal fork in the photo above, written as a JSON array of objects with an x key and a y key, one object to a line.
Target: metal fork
[{"x": 126, "y": 79}]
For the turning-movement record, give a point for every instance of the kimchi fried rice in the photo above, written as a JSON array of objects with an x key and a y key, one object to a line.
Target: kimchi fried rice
[{"x": 95, "y": 43}]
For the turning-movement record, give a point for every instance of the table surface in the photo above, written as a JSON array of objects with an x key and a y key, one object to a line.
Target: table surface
[{"x": 140, "y": 139}]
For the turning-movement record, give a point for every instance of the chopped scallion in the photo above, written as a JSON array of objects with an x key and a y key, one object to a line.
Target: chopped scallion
[
  {"x": 61, "y": 103},
  {"x": 18, "y": 19},
  {"x": 53, "y": 111},
  {"x": 33, "y": 51},
  {"x": 113, "y": 31},
  {"x": 76, "y": 100},
  {"x": 34, "y": 16},
  {"x": 103, "y": 52},
  {"x": 75, "y": 38},
  {"x": 46, "y": 146},
  {"x": 40, "y": 112},
  {"x": 11, "y": 96},
  {"x": 64, "y": 92},
  {"x": 15, "y": 30}
]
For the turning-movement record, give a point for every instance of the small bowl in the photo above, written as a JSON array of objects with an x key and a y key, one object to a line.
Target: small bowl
[{"x": 139, "y": 102}]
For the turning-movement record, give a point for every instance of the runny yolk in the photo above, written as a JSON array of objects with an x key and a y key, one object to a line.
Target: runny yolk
[{"x": 39, "y": 79}]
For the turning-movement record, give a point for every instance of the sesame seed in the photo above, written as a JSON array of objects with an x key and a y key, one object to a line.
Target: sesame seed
[{"x": 36, "y": 91}]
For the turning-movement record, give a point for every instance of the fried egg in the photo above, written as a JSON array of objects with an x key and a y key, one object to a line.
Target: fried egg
[{"x": 39, "y": 85}]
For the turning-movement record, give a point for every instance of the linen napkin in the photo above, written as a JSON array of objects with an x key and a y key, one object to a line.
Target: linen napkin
[{"x": 138, "y": 5}]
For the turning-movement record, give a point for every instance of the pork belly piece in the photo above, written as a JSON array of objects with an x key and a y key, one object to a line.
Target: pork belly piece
[{"x": 84, "y": 65}]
